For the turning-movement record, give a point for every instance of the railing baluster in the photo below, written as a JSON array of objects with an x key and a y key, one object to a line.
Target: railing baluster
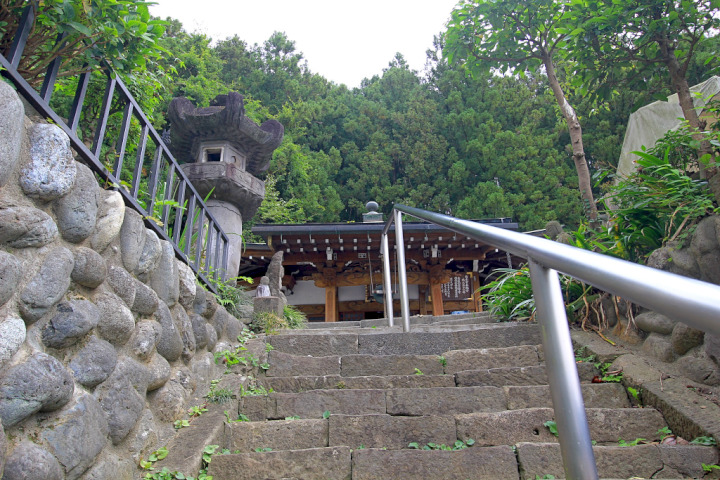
[
  {"x": 225, "y": 249},
  {"x": 48, "y": 85},
  {"x": 200, "y": 235},
  {"x": 139, "y": 158},
  {"x": 102, "y": 121},
  {"x": 122, "y": 140},
  {"x": 18, "y": 45},
  {"x": 387, "y": 281},
  {"x": 189, "y": 226},
  {"x": 154, "y": 179},
  {"x": 169, "y": 195},
  {"x": 573, "y": 431},
  {"x": 177, "y": 227},
  {"x": 76, "y": 109},
  {"x": 402, "y": 274}
]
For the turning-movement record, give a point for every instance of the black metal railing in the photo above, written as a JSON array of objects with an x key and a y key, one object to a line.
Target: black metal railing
[{"x": 127, "y": 153}]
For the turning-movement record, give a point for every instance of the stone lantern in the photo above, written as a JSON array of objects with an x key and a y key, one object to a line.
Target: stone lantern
[{"x": 221, "y": 150}]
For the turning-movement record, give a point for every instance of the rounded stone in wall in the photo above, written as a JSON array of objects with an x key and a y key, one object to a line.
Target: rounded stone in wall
[
  {"x": 73, "y": 320},
  {"x": 168, "y": 402},
  {"x": 76, "y": 212},
  {"x": 199, "y": 330},
  {"x": 199, "y": 303},
  {"x": 26, "y": 227},
  {"x": 122, "y": 283},
  {"x": 132, "y": 239},
  {"x": 94, "y": 363},
  {"x": 3, "y": 448},
  {"x": 12, "y": 336},
  {"x": 165, "y": 279},
  {"x": 111, "y": 213},
  {"x": 211, "y": 337},
  {"x": 655, "y": 322},
  {"x": 658, "y": 346},
  {"x": 111, "y": 467},
  {"x": 146, "y": 300},
  {"x": 186, "y": 332},
  {"x": 684, "y": 338},
  {"x": 159, "y": 371},
  {"x": 12, "y": 117},
  {"x": 48, "y": 286},
  {"x": 697, "y": 366},
  {"x": 9, "y": 276},
  {"x": 233, "y": 328},
  {"x": 77, "y": 436},
  {"x": 146, "y": 335},
  {"x": 41, "y": 383},
  {"x": 150, "y": 255},
  {"x": 187, "y": 285},
  {"x": 117, "y": 323},
  {"x": 90, "y": 269},
  {"x": 51, "y": 171},
  {"x": 169, "y": 344},
  {"x": 28, "y": 461}
]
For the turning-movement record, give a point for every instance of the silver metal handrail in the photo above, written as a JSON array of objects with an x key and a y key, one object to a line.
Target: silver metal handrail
[{"x": 691, "y": 301}]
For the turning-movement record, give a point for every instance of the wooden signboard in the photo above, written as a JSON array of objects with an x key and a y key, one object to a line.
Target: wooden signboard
[{"x": 460, "y": 287}]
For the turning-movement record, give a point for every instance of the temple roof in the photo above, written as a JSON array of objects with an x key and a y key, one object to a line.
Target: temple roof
[{"x": 223, "y": 120}]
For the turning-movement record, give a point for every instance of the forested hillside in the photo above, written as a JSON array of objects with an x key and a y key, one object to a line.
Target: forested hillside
[{"x": 474, "y": 146}]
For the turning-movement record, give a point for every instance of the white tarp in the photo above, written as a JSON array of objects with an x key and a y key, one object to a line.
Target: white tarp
[{"x": 651, "y": 122}]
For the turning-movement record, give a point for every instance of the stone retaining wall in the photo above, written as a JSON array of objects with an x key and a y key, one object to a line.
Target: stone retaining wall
[
  {"x": 105, "y": 337},
  {"x": 694, "y": 352}
]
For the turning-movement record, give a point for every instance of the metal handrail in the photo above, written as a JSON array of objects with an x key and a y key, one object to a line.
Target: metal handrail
[
  {"x": 176, "y": 184},
  {"x": 691, "y": 301}
]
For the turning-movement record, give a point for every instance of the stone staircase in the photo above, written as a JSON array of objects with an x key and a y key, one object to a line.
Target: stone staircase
[{"x": 361, "y": 401}]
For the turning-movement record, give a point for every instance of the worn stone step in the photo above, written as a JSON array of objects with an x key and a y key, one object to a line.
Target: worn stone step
[
  {"x": 365, "y": 365},
  {"x": 642, "y": 461},
  {"x": 486, "y": 358},
  {"x": 446, "y": 401},
  {"x": 332, "y": 463},
  {"x": 277, "y": 435},
  {"x": 305, "y": 383},
  {"x": 288, "y": 365},
  {"x": 607, "y": 425},
  {"x": 319, "y": 343},
  {"x": 595, "y": 395},
  {"x": 387, "y": 431},
  {"x": 533, "y": 375},
  {"x": 315, "y": 403},
  {"x": 488, "y": 463}
]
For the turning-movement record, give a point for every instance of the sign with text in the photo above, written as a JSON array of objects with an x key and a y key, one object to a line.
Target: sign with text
[{"x": 460, "y": 287}]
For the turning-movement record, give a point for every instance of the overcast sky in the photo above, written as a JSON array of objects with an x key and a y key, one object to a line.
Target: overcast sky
[{"x": 341, "y": 40}]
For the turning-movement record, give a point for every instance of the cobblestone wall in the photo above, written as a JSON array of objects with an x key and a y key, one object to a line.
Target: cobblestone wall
[{"x": 104, "y": 335}]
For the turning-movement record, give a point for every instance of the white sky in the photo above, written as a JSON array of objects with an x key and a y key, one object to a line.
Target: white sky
[{"x": 344, "y": 41}]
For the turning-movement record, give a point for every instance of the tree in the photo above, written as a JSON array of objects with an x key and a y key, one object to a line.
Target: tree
[
  {"x": 517, "y": 36},
  {"x": 120, "y": 32},
  {"x": 645, "y": 36}
]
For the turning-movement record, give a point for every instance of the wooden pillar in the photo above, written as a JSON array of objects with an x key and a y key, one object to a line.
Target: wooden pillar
[
  {"x": 437, "y": 300},
  {"x": 422, "y": 296},
  {"x": 331, "y": 303},
  {"x": 477, "y": 300}
]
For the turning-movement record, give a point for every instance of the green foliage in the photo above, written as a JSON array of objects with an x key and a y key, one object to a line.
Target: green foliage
[
  {"x": 418, "y": 372},
  {"x": 232, "y": 296},
  {"x": 510, "y": 296},
  {"x": 253, "y": 389},
  {"x": 240, "y": 418},
  {"x": 552, "y": 426},
  {"x": 656, "y": 205},
  {"x": 442, "y": 360},
  {"x": 217, "y": 394},
  {"x": 197, "y": 410},
  {"x": 633, "y": 443},
  {"x": 710, "y": 468},
  {"x": 178, "y": 424},
  {"x": 326, "y": 414},
  {"x": 709, "y": 441},
  {"x": 270, "y": 323}
]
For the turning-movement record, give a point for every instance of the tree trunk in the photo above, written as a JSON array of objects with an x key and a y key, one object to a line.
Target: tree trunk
[
  {"x": 681, "y": 87},
  {"x": 573, "y": 124}
]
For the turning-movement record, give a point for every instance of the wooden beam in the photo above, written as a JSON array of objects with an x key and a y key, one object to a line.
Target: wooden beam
[{"x": 437, "y": 300}]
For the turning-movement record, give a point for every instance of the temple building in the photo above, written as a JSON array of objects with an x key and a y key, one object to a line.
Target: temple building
[{"x": 333, "y": 271}]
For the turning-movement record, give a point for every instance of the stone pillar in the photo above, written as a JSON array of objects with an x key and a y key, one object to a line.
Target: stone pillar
[{"x": 230, "y": 219}]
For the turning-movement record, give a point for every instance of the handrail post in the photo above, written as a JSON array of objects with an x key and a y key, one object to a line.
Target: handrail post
[
  {"x": 573, "y": 430},
  {"x": 387, "y": 283},
  {"x": 402, "y": 274}
]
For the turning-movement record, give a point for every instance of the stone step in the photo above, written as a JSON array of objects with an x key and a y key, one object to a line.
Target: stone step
[
  {"x": 607, "y": 425},
  {"x": 305, "y": 383},
  {"x": 243, "y": 437},
  {"x": 284, "y": 364},
  {"x": 478, "y": 463},
  {"x": 532, "y": 375},
  {"x": 391, "y": 432},
  {"x": 412, "y": 343},
  {"x": 333, "y": 463},
  {"x": 642, "y": 461},
  {"x": 595, "y": 395},
  {"x": 465, "y": 318}
]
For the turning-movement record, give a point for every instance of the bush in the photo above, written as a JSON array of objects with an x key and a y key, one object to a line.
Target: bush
[{"x": 270, "y": 323}]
